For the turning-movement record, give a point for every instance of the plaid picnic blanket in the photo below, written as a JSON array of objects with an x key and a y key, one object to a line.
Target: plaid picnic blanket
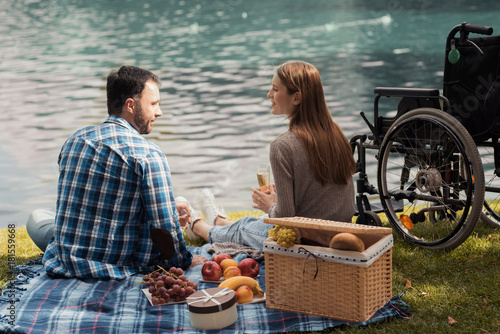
[{"x": 47, "y": 305}]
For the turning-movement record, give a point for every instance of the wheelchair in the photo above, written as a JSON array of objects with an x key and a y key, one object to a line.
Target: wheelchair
[{"x": 438, "y": 157}]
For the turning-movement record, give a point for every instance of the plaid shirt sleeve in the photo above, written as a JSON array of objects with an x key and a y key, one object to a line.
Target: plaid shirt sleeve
[{"x": 160, "y": 205}]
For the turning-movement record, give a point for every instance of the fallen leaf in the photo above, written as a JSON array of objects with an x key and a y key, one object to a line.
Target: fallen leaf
[
  {"x": 490, "y": 236},
  {"x": 484, "y": 300},
  {"x": 452, "y": 321},
  {"x": 408, "y": 284}
]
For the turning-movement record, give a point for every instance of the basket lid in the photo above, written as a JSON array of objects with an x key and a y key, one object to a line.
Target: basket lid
[{"x": 328, "y": 225}]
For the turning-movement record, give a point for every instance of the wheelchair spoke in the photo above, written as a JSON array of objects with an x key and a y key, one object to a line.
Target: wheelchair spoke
[{"x": 425, "y": 161}]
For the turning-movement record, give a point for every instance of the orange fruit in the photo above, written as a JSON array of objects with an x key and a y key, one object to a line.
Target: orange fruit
[
  {"x": 244, "y": 294},
  {"x": 226, "y": 263},
  {"x": 232, "y": 272}
]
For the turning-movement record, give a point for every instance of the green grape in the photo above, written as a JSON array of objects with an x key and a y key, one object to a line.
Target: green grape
[{"x": 285, "y": 236}]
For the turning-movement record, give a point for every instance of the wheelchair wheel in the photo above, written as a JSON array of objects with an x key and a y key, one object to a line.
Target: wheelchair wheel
[
  {"x": 428, "y": 160},
  {"x": 371, "y": 218},
  {"x": 491, "y": 210}
]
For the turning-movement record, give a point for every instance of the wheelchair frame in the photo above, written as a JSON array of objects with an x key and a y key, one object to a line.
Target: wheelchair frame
[{"x": 430, "y": 176}]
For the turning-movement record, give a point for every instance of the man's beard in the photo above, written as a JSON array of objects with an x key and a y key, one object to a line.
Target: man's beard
[{"x": 141, "y": 122}]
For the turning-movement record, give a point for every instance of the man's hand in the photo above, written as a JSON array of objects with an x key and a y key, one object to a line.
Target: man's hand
[
  {"x": 197, "y": 260},
  {"x": 184, "y": 213}
]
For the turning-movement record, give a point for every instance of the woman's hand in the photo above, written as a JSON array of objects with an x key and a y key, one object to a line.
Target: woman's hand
[{"x": 263, "y": 201}]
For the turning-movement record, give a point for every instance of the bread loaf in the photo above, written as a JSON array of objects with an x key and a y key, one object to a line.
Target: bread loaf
[{"x": 347, "y": 241}]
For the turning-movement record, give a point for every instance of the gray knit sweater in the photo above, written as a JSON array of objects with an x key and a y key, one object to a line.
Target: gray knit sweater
[{"x": 299, "y": 193}]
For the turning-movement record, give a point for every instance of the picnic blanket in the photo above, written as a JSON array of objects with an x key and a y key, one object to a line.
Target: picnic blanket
[
  {"x": 58, "y": 305},
  {"x": 234, "y": 249}
]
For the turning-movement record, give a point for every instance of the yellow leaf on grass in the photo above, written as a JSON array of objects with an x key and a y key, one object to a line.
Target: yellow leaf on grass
[
  {"x": 425, "y": 294},
  {"x": 452, "y": 321},
  {"x": 408, "y": 284}
]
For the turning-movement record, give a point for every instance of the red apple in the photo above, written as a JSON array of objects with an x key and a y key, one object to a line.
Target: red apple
[
  {"x": 211, "y": 271},
  {"x": 219, "y": 258},
  {"x": 249, "y": 267}
]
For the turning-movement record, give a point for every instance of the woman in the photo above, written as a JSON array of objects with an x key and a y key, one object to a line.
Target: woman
[{"x": 312, "y": 164}]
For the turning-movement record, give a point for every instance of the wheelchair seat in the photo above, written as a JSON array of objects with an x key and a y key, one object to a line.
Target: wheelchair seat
[{"x": 411, "y": 98}]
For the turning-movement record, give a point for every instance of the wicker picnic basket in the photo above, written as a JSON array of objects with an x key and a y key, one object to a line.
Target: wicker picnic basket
[{"x": 339, "y": 284}]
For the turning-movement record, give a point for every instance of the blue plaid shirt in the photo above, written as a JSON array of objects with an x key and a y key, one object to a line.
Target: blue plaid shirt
[{"x": 114, "y": 187}]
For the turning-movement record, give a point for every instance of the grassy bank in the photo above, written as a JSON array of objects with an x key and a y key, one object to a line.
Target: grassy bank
[{"x": 448, "y": 292}]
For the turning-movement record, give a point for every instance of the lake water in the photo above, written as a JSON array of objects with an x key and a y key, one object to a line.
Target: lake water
[{"x": 215, "y": 59}]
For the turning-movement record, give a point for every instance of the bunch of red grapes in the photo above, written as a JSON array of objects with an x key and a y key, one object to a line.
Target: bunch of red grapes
[{"x": 168, "y": 285}]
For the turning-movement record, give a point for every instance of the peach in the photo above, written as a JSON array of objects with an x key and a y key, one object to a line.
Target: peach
[
  {"x": 244, "y": 294},
  {"x": 232, "y": 272},
  {"x": 226, "y": 263}
]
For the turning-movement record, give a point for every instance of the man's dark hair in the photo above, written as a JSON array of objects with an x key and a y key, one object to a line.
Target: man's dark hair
[{"x": 127, "y": 82}]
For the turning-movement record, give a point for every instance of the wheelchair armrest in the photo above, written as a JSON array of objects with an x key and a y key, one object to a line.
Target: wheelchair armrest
[{"x": 406, "y": 92}]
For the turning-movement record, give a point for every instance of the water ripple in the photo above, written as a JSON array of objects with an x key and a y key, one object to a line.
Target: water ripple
[{"x": 215, "y": 60}]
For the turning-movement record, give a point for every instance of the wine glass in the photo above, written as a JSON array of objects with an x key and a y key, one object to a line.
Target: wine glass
[{"x": 263, "y": 177}]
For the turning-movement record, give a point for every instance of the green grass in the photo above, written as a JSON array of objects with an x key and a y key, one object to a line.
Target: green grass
[
  {"x": 25, "y": 250},
  {"x": 463, "y": 284}
]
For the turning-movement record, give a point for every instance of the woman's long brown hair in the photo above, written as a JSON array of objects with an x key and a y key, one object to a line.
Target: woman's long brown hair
[{"x": 330, "y": 154}]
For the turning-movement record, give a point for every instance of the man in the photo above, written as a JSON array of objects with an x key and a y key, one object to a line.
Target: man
[{"x": 116, "y": 214}]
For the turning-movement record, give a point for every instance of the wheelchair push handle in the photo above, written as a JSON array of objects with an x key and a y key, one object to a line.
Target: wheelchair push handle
[
  {"x": 466, "y": 28},
  {"x": 476, "y": 29}
]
